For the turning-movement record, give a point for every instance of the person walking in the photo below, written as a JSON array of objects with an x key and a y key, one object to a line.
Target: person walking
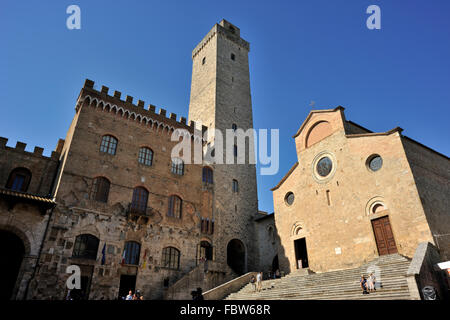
[
  {"x": 259, "y": 281},
  {"x": 370, "y": 283},
  {"x": 374, "y": 281}
]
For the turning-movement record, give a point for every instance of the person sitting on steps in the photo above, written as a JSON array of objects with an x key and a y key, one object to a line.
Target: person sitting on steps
[{"x": 363, "y": 284}]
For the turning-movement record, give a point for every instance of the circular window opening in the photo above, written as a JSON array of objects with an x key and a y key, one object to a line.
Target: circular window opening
[
  {"x": 324, "y": 166},
  {"x": 289, "y": 198},
  {"x": 375, "y": 162}
]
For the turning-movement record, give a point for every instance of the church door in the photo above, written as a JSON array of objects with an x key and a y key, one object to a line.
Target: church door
[{"x": 384, "y": 236}]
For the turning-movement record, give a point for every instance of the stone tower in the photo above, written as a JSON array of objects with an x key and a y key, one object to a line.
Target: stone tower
[{"x": 220, "y": 99}]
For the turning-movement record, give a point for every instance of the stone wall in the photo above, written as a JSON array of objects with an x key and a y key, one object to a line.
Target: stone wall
[
  {"x": 432, "y": 177},
  {"x": 423, "y": 272},
  {"x": 268, "y": 242},
  {"x": 24, "y": 218}
]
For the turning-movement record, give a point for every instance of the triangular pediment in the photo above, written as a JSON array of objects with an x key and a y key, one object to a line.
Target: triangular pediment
[{"x": 310, "y": 116}]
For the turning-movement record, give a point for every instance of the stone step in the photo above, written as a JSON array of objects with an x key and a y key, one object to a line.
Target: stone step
[
  {"x": 352, "y": 279},
  {"x": 334, "y": 285},
  {"x": 402, "y": 286},
  {"x": 360, "y": 270},
  {"x": 304, "y": 284},
  {"x": 311, "y": 293},
  {"x": 388, "y": 296}
]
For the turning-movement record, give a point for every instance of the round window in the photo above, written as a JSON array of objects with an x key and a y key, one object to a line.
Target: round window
[
  {"x": 289, "y": 198},
  {"x": 375, "y": 163},
  {"x": 324, "y": 166}
]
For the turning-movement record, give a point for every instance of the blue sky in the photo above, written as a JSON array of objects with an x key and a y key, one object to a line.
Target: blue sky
[{"x": 301, "y": 51}]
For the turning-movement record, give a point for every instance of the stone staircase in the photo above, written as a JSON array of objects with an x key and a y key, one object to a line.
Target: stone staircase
[{"x": 336, "y": 285}]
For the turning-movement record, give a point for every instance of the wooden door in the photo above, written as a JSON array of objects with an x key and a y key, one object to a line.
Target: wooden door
[{"x": 384, "y": 236}]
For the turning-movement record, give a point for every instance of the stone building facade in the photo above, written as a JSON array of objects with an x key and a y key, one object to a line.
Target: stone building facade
[
  {"x": 114, "y": 202},
  {"x": 268, "y": 242},
  {"x": 23, "y": 212},
  {"x": 355, "y": 194}
]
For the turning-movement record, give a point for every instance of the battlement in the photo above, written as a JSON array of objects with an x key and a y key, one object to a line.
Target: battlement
[
  {"x": 225, "y": 28},
  {"x": 137, "y": 111},
  {"x": 38, "y": 151}
]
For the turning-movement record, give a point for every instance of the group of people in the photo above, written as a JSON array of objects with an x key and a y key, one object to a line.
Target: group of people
[
  {"x": 136, "y": 296},
  {"x": 367, "y": 285}
]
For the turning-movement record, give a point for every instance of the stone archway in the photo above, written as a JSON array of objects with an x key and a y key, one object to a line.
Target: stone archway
[
  {"x": 236, "y": 256},
  {"x": 12, "y": 250}
]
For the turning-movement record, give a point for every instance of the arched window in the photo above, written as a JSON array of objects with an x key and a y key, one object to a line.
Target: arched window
[
  {"x": 175, "y": 205},
  {"x": 131, "y": 253},
  {"x": 234, "y": 126},
  {"x": 177, "y": 166},
  {"x": 139, "y": 201},
  {"x": 235, "y": 186},
  {"x": 207, "y": 175},
  {"x": 171, "y": 258},
  {"x": 19, "y": 179},
  {"x": 235, "y": 150},
  {"x": 86, "y": 247},
  {"x": 108, "y": 145},
  {"x": 100, "y": 189},
  {"x": 145, "y": 156}
]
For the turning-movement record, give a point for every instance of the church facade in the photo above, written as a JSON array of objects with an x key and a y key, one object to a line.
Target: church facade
[
  {"x": 354, "y": 195},
  {"x": 113, "y": 201}
]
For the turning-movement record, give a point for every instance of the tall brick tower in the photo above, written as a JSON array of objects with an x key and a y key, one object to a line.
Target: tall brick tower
[{"x": 220, "y": 99}]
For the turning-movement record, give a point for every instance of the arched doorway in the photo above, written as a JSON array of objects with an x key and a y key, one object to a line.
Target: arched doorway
[
  {"x": 275, "y": 264},
  {"x": 236, "y": 256},
  {"x": 12, "y": 252}
]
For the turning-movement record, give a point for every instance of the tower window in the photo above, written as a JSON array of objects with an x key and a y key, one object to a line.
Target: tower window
[
  {"x": 234, "y": 126},
  {"x": 175, "y": 205},
  {"x": 235, "y": 149},
  {"x": 139, "y": 200},
  {"x": 145, "y": 156},
  {"x": 131, "y": 253},
  {"x": 177, "y": 166},
  {"x": 235, "y": 186},
  {"x": 207, "y": 175},
  {"x": 203, "y": 60},
  {"x": 86, "y": 247},
  {"x": 19, "y": 179},
  {"x": 109, "y": 145},
  {"x": 233, "y": 57},
  {"x": 171, "y": 258},
  {"x": 100, "y": 189}
]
